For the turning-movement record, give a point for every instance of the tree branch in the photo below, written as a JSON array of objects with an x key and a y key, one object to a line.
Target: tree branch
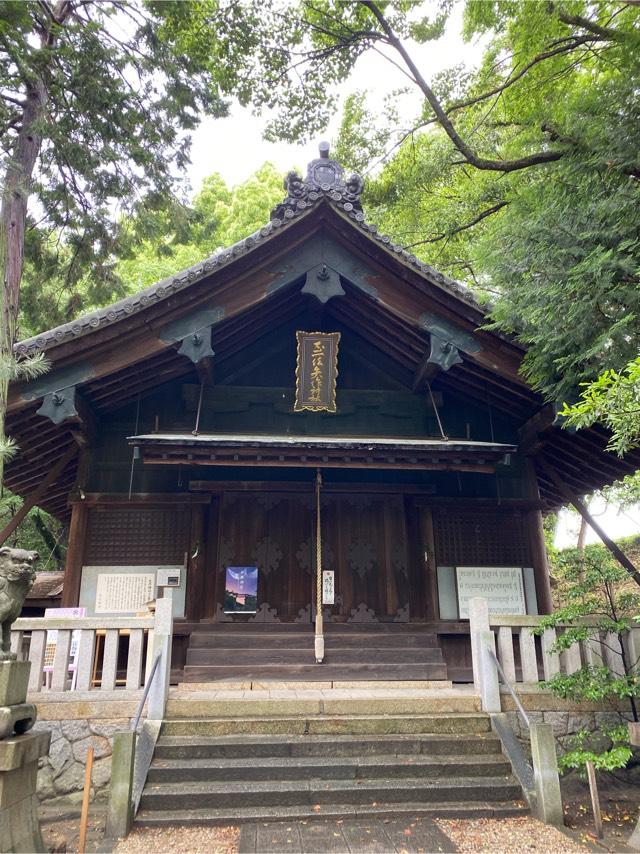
[
  {"x": 458, "y": 229},
  {"x": 567, "y": 48},
  {"x": 468, "y": 153},
  {"x": 586, "y": 24}
]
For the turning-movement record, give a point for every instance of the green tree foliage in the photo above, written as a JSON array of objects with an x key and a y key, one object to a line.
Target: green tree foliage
[
  {"x": 116, "y": 106},
  {"x": 603, "y": 605},
  {"x": 39, "y": 532},
  {"x": 553, "y": 245},
  {"x": 218, "y": 217},
  {"x": 613, "y": 400}
]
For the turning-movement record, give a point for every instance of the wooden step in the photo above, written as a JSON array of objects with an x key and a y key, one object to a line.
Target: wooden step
[
  {"x": 295, "y": 640},
  {"x": 334, "y": 655},
  {"x": 306, "y": 672}
]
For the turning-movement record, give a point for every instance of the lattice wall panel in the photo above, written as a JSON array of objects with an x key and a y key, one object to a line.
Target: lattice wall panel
[
  {"x": 131, "y": 536},
  {"x": 477, "y": 538}
]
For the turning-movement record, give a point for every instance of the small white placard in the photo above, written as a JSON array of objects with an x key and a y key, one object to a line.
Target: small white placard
[
  {"x": 501, "y": 586},
  {"x": 169, "y": 576},
  {"x": 328, "y": 587},
  {"x": 124, "y": 593}
]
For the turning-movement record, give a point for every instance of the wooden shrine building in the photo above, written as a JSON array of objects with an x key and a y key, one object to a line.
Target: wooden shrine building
[{"x": 181, "y": 432}]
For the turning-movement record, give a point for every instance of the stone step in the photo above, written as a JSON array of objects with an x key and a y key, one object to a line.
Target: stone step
[
  {"x": 386, "y": 685},
  {"x": 243, "y": 815},
  {"x": 279, "y": 640},
  {"x": 347, "y": 724},
  {"x": 326, "y": 768},
  {"x": 290, "y": 673},
  {"x": 255, "y": 747},
  {"x": 208, "y": 705},
  {"x": 285, "y": 793},
  {"x": 334, "y": 656}
]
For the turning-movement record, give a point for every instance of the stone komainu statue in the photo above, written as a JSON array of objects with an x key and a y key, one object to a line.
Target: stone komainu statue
[{"x": 17, "y": 574}]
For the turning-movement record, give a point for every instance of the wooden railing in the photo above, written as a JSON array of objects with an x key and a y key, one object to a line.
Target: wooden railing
[{"x": 88, "y": 652}]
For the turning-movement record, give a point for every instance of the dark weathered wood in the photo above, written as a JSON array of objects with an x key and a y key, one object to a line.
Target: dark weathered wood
[
  {"x": 529, "y": 434},
  {"x": 424, "y": 373},
  {"x": 93, "y": 499},
  {"x": 573, "y": 499},
  {"x": 213, "y": 582},
  {"x": 430, "y": 564},
  {"x": 196, "y": 564},
  {"x": 219, "y": 486},
  {"x": 537, "y": 545},
  {"x": 33, "y": 499},
  {"x": 75, "y": 555},
  {"x": 205, "y": 370}
]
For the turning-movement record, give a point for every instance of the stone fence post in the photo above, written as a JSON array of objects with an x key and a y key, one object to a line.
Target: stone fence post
[
  {"x": 485, "y": 672},
  {"x": 162, "y": 638}
]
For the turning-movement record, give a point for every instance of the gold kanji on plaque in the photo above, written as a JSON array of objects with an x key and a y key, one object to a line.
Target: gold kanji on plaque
[{"x": 316, "y": 371}]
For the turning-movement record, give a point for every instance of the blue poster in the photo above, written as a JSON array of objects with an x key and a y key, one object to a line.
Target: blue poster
[{"x": 241, "y": 590}]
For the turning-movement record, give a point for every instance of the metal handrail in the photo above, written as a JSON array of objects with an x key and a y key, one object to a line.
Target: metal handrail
[
  {"x": 145, "y": 693},
  {"x": 507, "y": 684}
]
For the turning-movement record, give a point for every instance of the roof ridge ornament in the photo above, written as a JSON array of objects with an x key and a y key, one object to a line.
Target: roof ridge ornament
[{"x": 325, "y": 177}]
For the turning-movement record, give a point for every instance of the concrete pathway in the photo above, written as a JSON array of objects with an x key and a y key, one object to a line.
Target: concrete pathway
[{"x": 345, "y": 837}]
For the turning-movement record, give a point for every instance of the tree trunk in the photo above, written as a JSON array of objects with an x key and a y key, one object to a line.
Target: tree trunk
[{"x": 13, "y": 218}]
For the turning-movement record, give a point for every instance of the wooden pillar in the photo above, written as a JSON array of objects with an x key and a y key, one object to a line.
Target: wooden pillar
[
  {"x": 196, "y": 563},
  {"x": 539, "y": 560},
  {"x": 428, "y": 559},
  {"x": 537, "y": 546},
  {"x": 211, "y": 587},
  {"x": 75, "y": 555}
]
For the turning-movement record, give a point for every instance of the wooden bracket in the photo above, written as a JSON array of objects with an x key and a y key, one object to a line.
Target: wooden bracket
[
  {"x": 529, "y": 434},
  {"x": 442, "y": 356}
]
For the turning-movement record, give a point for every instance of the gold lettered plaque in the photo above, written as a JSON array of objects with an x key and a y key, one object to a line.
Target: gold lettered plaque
[{"x": 316, "y": 371}]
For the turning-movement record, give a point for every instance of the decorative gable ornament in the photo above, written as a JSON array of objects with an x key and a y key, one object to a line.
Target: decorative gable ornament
[{"x": 324, "y": 177}]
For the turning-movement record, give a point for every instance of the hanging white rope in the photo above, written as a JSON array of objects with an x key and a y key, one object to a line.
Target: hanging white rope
[{"x": 319, "y": 638}]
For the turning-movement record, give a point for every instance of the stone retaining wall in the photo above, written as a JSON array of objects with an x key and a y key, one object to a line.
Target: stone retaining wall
[
  {"x": 61, "y": 773},
  {"x": 565, "y": 724}
]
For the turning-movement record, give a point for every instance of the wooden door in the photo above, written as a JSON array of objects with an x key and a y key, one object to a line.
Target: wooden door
[
  {"x": 273, "y": 531},
  {"x": 365, "y": 543}
]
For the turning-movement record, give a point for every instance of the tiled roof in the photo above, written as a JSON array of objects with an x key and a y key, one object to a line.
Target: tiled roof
[
  {"x": 324, "y": 182},
  {"x": 48, "y": 585}
]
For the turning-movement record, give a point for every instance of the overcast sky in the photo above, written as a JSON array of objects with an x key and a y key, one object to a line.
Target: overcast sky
[
  {"x": 234, "y": 147},
  {"x": 216, "y": 145}
]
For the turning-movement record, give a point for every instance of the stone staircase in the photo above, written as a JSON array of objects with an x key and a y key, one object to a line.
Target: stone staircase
[
  {"x": 224, "y": 770},
  {"x": 284, "y": 653}
]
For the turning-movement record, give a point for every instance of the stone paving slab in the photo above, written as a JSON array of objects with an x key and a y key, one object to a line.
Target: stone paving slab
[{"x": 352, "y": 836}]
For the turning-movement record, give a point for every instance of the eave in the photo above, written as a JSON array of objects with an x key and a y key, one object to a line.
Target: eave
[{"x": 320, "y": 452}]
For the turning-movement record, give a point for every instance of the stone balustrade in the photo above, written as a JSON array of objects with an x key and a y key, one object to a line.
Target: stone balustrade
[
  {"x": 527, "y": 657},
  {"x": 85, "y": 653}
]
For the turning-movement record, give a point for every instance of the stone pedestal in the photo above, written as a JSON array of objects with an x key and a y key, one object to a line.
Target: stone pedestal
[{"x": 19, "y": 754}]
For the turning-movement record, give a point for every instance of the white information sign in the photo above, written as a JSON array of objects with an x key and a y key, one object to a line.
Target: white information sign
[
  {"x": 501, "y": 586},
  {"x": 328, "y": 587},
  {"x": 124, "y": 593}
]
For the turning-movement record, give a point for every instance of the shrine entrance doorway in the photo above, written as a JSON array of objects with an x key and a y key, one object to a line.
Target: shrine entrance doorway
[{"x": 364, "y": 542}]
